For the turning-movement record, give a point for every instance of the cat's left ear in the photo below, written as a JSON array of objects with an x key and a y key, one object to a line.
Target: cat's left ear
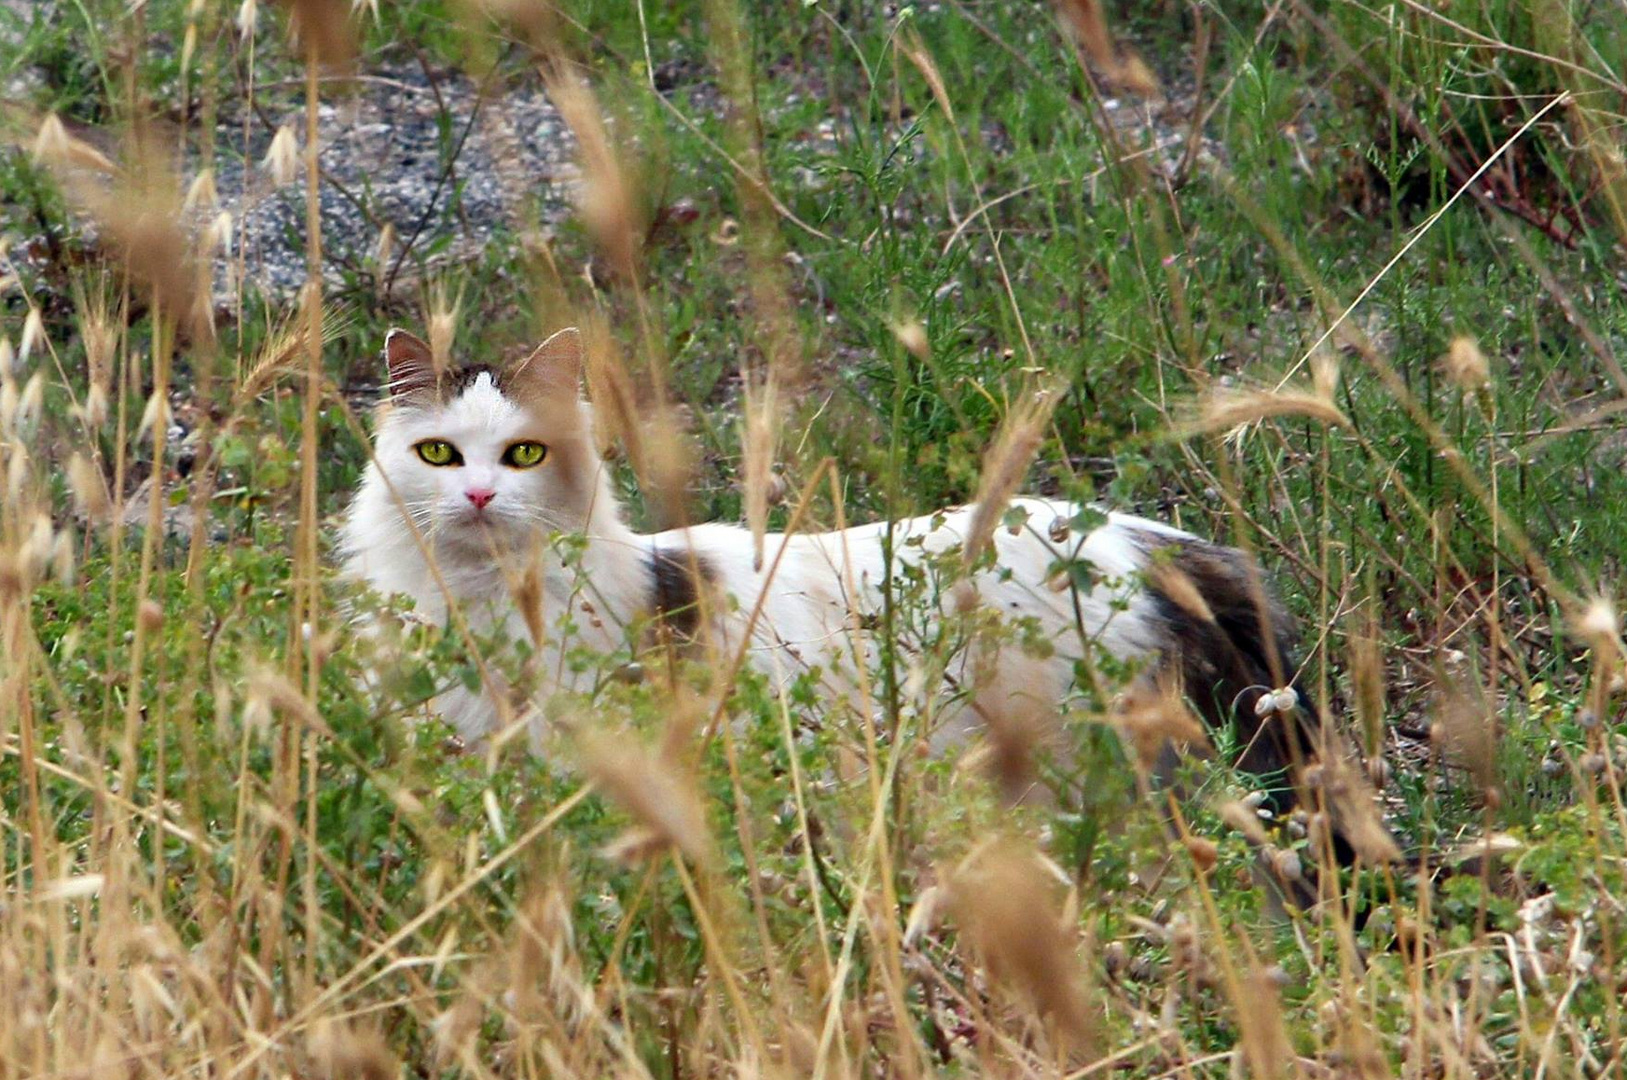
[{"x": 554, "y": 369}]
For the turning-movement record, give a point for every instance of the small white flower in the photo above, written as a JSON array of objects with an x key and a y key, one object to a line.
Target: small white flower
[{"x": 247, "y": 14}]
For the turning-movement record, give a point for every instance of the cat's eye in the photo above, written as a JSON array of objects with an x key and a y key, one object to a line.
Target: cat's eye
[
  {"x": 523, "y": 455},
  {"x": 438, "y": 452}
]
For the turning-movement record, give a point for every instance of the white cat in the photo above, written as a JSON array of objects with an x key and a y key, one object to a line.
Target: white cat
[{"x": 474, "y": 467}]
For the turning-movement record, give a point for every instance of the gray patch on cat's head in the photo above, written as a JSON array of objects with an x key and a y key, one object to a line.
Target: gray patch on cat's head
[
  {"x": 460, "y": 380},
  {"x": 448, "y": 386},
  {"x": 553, "y": 369}
]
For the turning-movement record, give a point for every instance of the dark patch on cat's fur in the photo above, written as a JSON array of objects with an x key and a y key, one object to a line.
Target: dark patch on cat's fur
[
  {"x": 460, "y": 379},
  {"x": 1229, "y": 656},
  {"x": 1229, "y": 642},
  {"x": 677, "y": 578}
]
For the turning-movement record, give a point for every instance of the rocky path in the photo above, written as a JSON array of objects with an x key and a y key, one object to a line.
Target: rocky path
[{"x": 420, "y": 168}]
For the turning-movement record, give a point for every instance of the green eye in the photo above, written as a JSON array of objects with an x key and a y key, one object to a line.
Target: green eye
[
  {"x": 523, "y": 455},
  {"x": 438, "y": 452}
]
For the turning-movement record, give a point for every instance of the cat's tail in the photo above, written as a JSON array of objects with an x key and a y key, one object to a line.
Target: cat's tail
[{"x": 1229, "y": 644}]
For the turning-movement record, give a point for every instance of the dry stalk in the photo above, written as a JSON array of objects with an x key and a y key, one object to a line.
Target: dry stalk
[
  {"x": 1005, "y": 466},
  {"x": 1226, "y": 410},
  {"x": 661, "y": 799},
  {"x": 604, "y": 197},
  {"x": 760, "y": 439},
  {"x": 1266, "y": 1046},
  {"x": 1117, "y": 63},
  {"x": 1003, "y": 901},
  {"x": 323, "y": 30},
  {"x": 1465, "y": 731},
  {"x": 141, "y": 214},
  {"x": 1152, "y": 716}
]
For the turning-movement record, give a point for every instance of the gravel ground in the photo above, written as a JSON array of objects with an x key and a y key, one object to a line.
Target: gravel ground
[
  {"x": 446, "y": 165},
  {"x": 443, "y": 162}
]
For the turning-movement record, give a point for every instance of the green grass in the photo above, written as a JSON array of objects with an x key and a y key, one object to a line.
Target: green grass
[{"x": 232, "y": 865}]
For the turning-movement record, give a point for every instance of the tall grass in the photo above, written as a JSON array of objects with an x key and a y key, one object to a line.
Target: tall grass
[{"x": 1335, "y": 283}]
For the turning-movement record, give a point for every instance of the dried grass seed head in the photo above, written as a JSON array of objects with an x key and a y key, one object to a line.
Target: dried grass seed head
[
  {"x": 1239, "y": 816},
  {"x": 341, "y": 1052},
  {"x": 98, "y": 329},
  {"x": 1228, "y": 409},
  {"x": 21, "y": 419},
  {"x": 1465, "y": 730},
  {"x": 1465, "y": 366},
  {"x": 444, "y": 315},
  {"x": 912, "y": 335},
  {"x": 142, "y": 218},
  {"x": 604, "y": 196},
  {"x": 662, "y": 801},
  {"x": 217, "y": 235},
  {"x": 1117, "y": 64},
  {"x": 88, "y": 488},
  {"x": 536, "y": 21},
  {"x": 1003, "y": 900},
  {"x": 1354, "y": 806},
  {"x": 33, "y": 335},
  {"x": 1266, "y": 1046},
  {"x": 282, "y": 157},
  {"x": 1325, "y": 372},
  {"x": 322, "y": 30},
  {"x": 201, "y": 194},
  {"x": 1018, "y": 725},
  {"x": 1599, "y": 623},
  {"x": 63, "y": 153},
  {"x": 1152, "y": 716},
  {"x": 1005, "y": 466}
]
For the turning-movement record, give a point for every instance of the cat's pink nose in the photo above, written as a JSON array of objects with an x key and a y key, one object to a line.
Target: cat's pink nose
[{"x": 480, "y": 496}]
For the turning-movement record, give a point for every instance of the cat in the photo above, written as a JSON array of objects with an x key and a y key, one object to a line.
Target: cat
[{"x": 474, "y": 467}]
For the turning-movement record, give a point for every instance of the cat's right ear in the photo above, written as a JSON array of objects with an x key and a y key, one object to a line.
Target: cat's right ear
[{"x": 410, "y": 362}]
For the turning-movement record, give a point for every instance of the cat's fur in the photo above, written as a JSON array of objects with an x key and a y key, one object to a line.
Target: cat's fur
[{"x": 1194, "y": 610}]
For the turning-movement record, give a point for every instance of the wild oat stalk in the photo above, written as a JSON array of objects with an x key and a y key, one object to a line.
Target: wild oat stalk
[{"x": 1005, "y": 467}]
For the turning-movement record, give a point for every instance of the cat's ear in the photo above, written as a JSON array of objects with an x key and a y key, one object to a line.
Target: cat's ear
[
  {"x": 554, "y": 368},
  {"x": 411, "y": 363}
]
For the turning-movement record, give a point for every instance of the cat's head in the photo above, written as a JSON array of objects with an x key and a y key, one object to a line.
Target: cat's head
[{"x": 481, "y": 454}]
